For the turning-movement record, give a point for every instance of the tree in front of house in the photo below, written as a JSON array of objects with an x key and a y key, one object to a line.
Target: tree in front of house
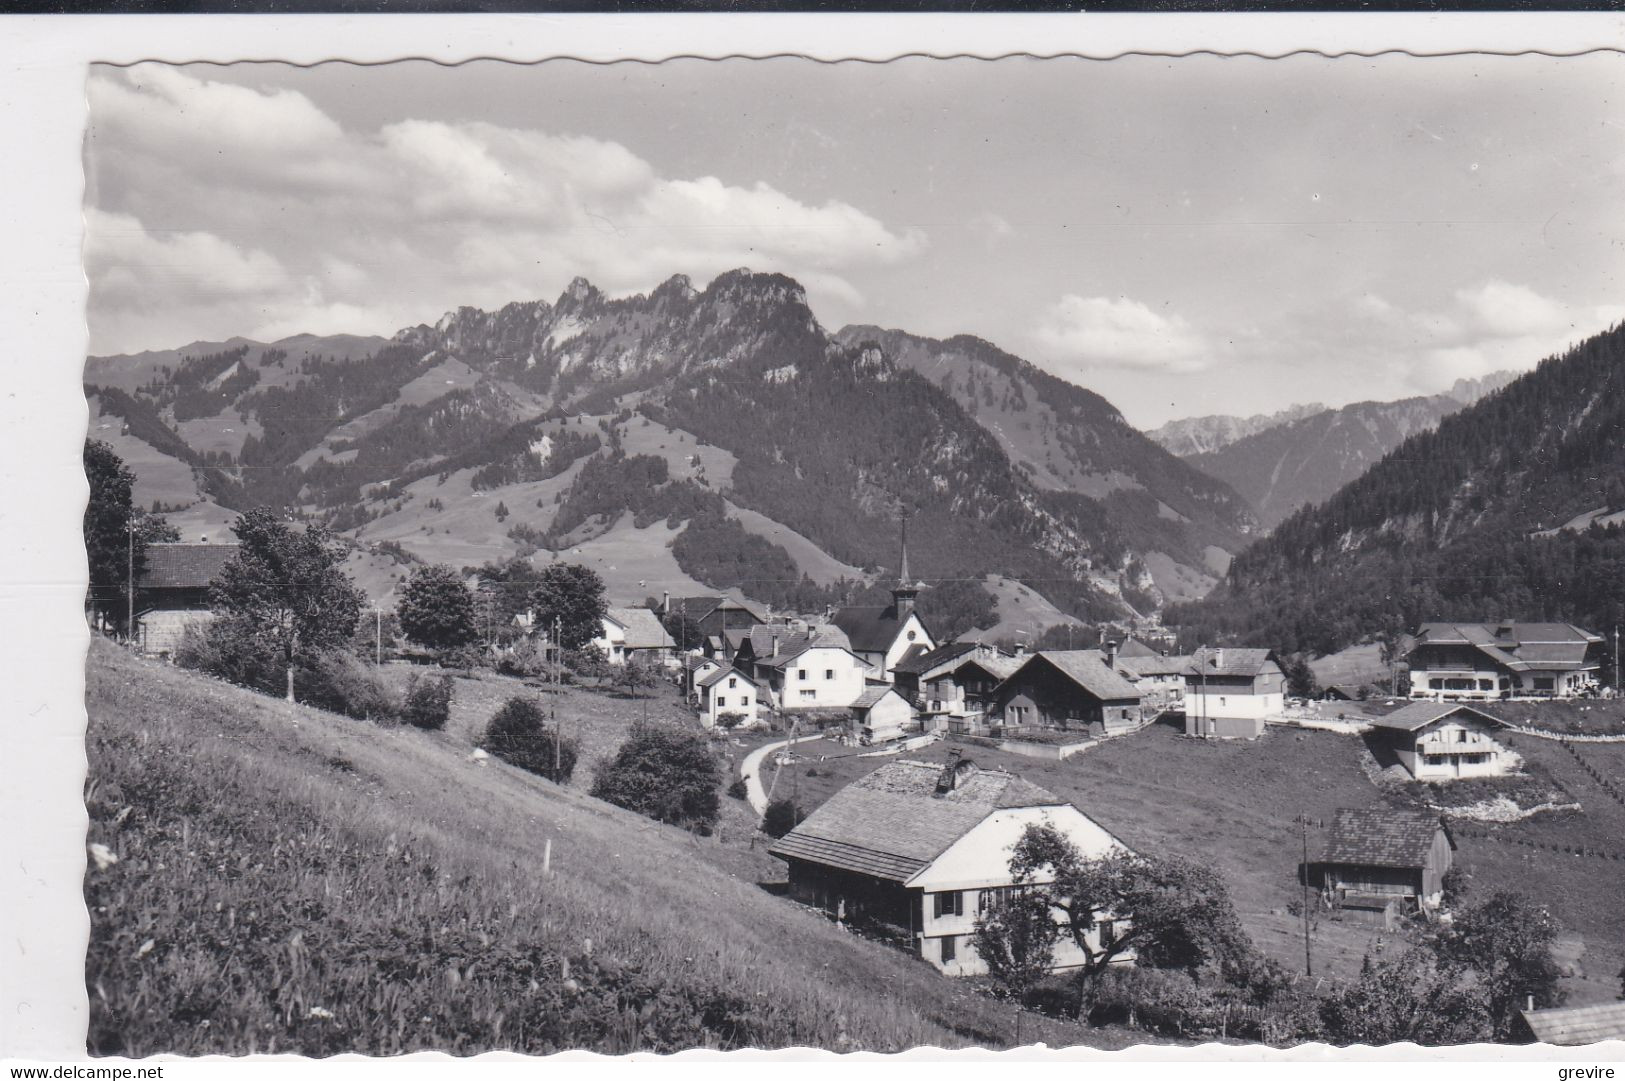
[
  {"x": 284, "y": 595},
  {"x": 1412, "y": 998},
  {"x": 116, "y": 533},
  {"x": 1507, "y": 940},
  {"x": 1300, "y": 678},
  {"x": 637, "y": 674},
  {"x": 667, "y": 774},
  {"x": 572, "y": 596},
  {"x": 1170, "y": 913},
  {"x": 436, "y": 608},
  {"x": 1015, "y": 937}
]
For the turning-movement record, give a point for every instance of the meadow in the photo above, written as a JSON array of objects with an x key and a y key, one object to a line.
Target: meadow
[{"x": 271, "y": 878}]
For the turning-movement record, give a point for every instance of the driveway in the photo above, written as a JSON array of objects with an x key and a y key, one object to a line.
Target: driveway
[{"x": 751, "y": 770}]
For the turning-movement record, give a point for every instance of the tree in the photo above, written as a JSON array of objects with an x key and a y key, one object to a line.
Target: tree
[
  {"x": 427, "y": 702},
  {"x": 1412, "y": 998},
  {"x": 436, "y": 609},
  {"x": 518, "y": 734},
  {"x": 636, "y": 674},
  {"x": 1179, "y": 914},
  {"x": 781, "y": 816},
  {"x": 587, "y": 663},
  {"x": 1015, "y": 937},
  {"x": 285, "y": 591},
  {"x": 1507, "y": 940},
  {"x": 113, "y": 553},
  {"x": 1300, "y": 678},
  {"x": 665, "y": 773},
  {"x": 572, "y": 595}
]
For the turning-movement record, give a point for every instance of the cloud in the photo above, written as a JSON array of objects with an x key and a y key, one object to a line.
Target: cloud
[
  {"x": 282, "y": 212},
  {"x": 1120, "y": 332}
]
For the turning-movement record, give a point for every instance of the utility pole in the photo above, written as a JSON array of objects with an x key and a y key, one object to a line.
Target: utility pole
[
  {"x": 129, "y": 581},
  {"x": 1616, "y": 659},
  {"x": 377, "y": 637},
  {"x": 1308, "y": 960}
]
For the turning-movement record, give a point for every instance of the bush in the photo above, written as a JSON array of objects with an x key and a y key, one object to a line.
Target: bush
[
  {"x": 730, "y": 720},
  {"x": 781, "y": 817},
  {"x": 738, "y": 789},
  {"x": 341, "y": 684},
  {"x": 518, "y": 734},
  {"x": 427, "y": 703},
  {"x": 665, "y": 773}
]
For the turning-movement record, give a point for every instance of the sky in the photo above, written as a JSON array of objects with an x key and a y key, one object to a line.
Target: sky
[{"x": 1184, "y": 236}]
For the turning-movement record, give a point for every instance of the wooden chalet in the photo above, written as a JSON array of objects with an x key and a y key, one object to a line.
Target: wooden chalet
[
  {"x": 1384, "y": 855},
  {"x": 1485, "y": 662},
  {"x": 172, "y": 593},
  {"x": 1067, "y": 689},
  {"x": 953, "y": 684},
  {"x": 923, "y": 848},
  {"x": 1441, "y": 741}
]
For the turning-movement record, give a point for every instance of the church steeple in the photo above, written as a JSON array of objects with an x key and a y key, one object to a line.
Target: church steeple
[{"x": 905, "y": 591}]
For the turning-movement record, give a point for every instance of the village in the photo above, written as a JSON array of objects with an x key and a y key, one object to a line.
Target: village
[{"x": 895, "y": 773}]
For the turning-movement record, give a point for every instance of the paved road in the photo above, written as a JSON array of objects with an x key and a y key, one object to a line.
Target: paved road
[{"x": 751, "y": 770}]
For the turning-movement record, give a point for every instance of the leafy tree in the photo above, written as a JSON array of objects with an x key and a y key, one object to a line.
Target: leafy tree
[
  {"x": 1016, "y": 936},
  {"x": 665, "y": 773},
  {"x": 1507, "y": 940},
  {"x": 1300, "y": 678},
  {"x": 1412, "y": 998},
  {"x": 1179, "y": 913},
  {"x": 636, "y": 674},
  {"x": 286, "y": 591},
  {"x": 109, "y": 517},
  {"x": 574, "y": 596},
  {"x": 781, "y": 816},
  {"x": 518, "y": 734},
  {"x": 427, "y": 702},
  {"x": 436, "y": 609},
  {"x": 587, "y": 662}
]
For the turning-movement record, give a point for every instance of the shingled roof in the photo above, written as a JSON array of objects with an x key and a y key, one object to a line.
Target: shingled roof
[
  {"x": 643, "y": 628},
  {"x": 713, "y": 678},
  {"x": 1229, "y": 661},
  {"x": 184, "y": 566},
  {"x": 1087, "y": 669},
  {"x": 1383, "y": 837},
  {"x": 1577, "y": 1026},
  {"x": 918, "y": 663},
  {"x": 1519, "y": 647},
  {"x": 893, "y": 823},
  {"x": 1418, "y": 715}
]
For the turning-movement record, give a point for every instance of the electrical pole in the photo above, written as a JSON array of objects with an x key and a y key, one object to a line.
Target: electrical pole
[
  {"x": 1308, "y": 960},
  {"x": 129, "y": 581},
  {"x": 1616, "y": 659},
  {"x": 377, "y": 637}
]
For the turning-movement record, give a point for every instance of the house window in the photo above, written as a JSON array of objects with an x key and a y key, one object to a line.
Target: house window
[
  {"x": 745, "y": 701},
  {"x": 721, "y": 701},
  {"x": 1108, "y": 933},
  {"x": 829, "y": 673},
  {"x": 1461, "y": 735},
  {"x": 950, "y": 948},
  {"x": 732, "y": 683},
  {"x": 948, "y": 903},
  {"x": 912, "y": 636},
  {"x": 808, "y": 696},
  {"x": 801, "y": 673}
]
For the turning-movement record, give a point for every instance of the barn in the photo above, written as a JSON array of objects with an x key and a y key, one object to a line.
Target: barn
[{"x": 1380, "y": 855}]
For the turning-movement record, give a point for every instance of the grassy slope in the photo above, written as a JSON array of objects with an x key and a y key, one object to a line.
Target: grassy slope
[
  {"x": 1234, "y": 805},
  {"x": 278, "y": 863}
]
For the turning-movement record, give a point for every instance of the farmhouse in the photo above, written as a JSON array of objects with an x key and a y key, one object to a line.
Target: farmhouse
[
  {"x": 630, "y": 633},
  {"x": 1441, "y": 741},
  {"x": 1229, "y": 692},
  {"x": 1383, "y": 854},
  {"x": 924, "y": 848},
  {"x": 1483, "y": 662},
  {"x": 1575, "y": 1026},
  {"x": 711, "y": 618},
  {"x": 881, "y": 714},
  {"x": 953, "y": 683},
  {"x": 728, "y": 690},
  {"x": 173, "y": 592},
  {"x": 1067, "y": 689}
]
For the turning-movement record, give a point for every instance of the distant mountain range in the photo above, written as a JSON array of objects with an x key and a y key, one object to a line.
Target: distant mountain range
[
  {"x": 1509, "y": 508},
  {"x": 1302, "y": 455},
  {"x": 684, "y": 439}
]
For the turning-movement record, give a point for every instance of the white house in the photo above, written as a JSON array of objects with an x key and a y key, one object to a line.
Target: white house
[
  {"x": 815, "y": 676},
  {"x": 924, "y": 847},
  {"x": 635, "y": 632},
  {"x": 728, "y": 690},
  {"x": 884, "y": 636},
  {"x": 1443, "y": 741},
  {"x": 881, "y": 714},
  {"x": 1229, "y": 692},
  {"x": 1485, "y": 662}
]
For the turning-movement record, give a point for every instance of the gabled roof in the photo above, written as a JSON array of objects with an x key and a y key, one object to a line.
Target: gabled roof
[
  {"x": 1153, "y": 665},
  {"x": 1133, "y": 647},
  {"x": 1418, "y": 715},
  {"x": 697, "y": 608},
  {"x": 998, "y": 665},
  {"x": 1518, "y": 647},
  {"x": 1085, "y": 668},
  {"x": 871, "y": 629},
  {"x": 184, "y": 566},
  {"x": 1383, "y": 837},
  {"x": 1229, "y": 661},
  {"x": 643, "y": 628},
  {"x": 873, "y": 693},
  {"x": 713, "y": 678},
  {"x": 790, "y": 653},
  {"x": 1577, "y": 1026},
  {"x": 918, "y": 663},
  {"x": 892, "y": 823}
]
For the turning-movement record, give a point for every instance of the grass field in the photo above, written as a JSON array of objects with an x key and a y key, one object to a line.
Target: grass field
[
  {"x": 1235, "y": 807},
  {"x": 287, "y": 880}
]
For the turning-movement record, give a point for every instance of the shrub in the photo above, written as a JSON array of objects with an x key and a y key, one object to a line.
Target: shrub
[
  {"x": 665, "y": 773},
  {"x": 730, "y": 720},
  {"x": 781, "y": 817},
  {"x": 738, "y": 789},
  {"x": 341, "y": 684},
  {"x": 518, "y": 734},
  {"x": 427, "y": 703}
]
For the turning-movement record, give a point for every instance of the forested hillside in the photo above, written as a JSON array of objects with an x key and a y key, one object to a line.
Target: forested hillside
[{"x": 1487, "y": 516}]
